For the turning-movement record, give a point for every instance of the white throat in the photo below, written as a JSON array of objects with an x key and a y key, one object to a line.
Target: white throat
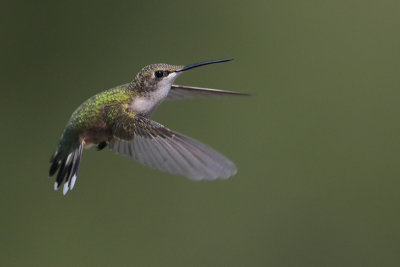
[{"x": 148, "y": 103}]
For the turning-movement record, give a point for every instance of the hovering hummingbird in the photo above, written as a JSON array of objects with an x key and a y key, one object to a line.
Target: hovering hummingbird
[{"x": 119, "y": 118}]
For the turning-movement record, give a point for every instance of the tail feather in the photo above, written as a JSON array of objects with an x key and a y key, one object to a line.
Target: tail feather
[
  {"x": 67, "y": 165},
  {"x": 55, "y": 163},
  {"x": 74, "y": 167}
]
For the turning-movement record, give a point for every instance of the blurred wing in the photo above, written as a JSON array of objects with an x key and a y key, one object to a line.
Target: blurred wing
[
  {"x": 156, "y": 146},
  {"x": 182, "y": 91}
]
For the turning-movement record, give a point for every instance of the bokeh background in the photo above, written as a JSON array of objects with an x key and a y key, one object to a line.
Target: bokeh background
[{"x": 317, "y": 145}]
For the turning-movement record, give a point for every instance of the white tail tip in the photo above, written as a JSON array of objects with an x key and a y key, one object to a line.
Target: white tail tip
[
  {"x": 65, "y": 189},
  {"x": 73, "y": 180}
]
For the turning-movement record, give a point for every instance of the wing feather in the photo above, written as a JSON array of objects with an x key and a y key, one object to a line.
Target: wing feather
[
  {"x": 183, "y": 91},
  {"x": 158, "y": 147}
]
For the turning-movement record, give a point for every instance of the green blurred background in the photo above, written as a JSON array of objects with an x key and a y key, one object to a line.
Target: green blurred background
[{"x": 317, "y": 145}]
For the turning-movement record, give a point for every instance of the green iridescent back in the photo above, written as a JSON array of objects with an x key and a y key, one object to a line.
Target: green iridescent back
[
  {"x": 90, "y": 112},
  {"x": 96, "y": 112}
]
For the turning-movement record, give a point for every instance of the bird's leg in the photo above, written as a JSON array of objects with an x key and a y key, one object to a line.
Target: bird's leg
[{"x": 101, "y": 145}]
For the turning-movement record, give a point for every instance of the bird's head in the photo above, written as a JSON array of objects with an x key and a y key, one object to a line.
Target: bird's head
[{"x": 161, "y": 76}]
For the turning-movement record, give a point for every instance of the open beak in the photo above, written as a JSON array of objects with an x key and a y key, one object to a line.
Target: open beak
[{"x": 195, "y": 65}]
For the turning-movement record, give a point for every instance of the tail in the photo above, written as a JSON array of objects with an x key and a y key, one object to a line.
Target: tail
[{"x": 67, "y": 164}]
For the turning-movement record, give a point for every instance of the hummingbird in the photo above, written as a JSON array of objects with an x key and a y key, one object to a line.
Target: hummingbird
[{"x": 120, "y": 118}]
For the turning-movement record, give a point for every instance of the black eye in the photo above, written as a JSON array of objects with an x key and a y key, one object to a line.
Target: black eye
[{"x": 159, "y": 73}]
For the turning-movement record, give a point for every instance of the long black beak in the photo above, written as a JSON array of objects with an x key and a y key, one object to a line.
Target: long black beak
[{"x": 195, "y": 65}]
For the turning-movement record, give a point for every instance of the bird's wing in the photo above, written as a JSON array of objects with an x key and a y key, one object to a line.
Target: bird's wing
[
  {"x": 156, "y": 146},
  {"x": 183, "y": 91}
]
